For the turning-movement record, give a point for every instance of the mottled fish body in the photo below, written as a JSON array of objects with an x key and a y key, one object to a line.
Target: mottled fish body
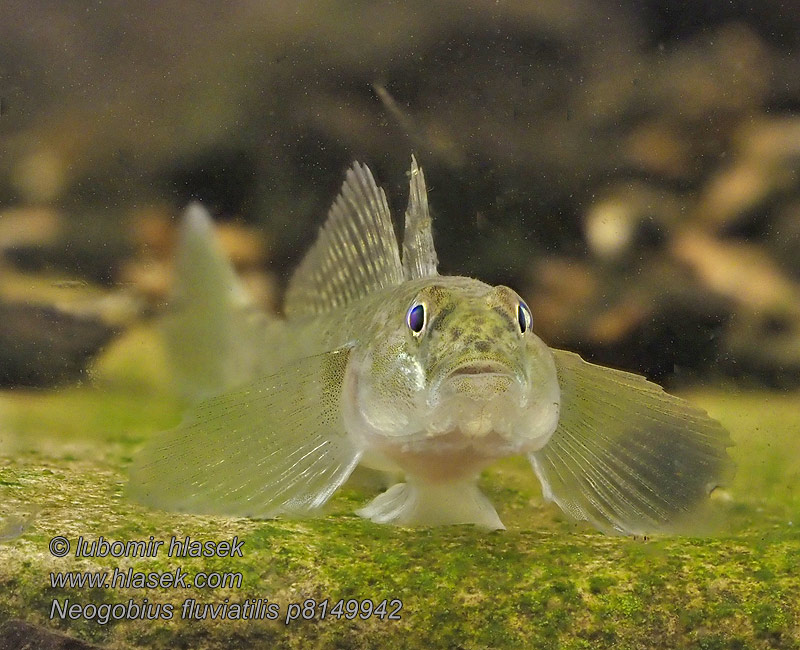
[{"x": 383, "y": 362}]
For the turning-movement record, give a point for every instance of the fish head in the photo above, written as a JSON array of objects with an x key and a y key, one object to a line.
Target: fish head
[{"x": 454, "y": 359}]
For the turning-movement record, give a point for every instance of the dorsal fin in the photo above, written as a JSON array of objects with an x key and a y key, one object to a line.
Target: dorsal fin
[
  {"x": 419, "y": 255},
  {"x": 356, "y": 251},
  {"x": 211, "y": 321}
]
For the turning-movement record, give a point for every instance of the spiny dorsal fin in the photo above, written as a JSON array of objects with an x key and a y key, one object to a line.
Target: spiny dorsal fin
[
  {"x": 419, "y": 255},
  {"x": 356, "y": 252}
]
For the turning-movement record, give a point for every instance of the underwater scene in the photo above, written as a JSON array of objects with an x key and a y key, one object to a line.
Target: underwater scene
[{"x": 354, "y": 325}]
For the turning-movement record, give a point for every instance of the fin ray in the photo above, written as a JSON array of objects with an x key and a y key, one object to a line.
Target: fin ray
[
  {"x": 419, "y": 254},
  {"x": 626, "y": 456},
  {"x": 356, "y": 251},
  {"x": 276, "y": 445}
]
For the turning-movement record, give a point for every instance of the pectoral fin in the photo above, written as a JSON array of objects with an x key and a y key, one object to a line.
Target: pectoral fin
[
  {"x": 626, "y": 456},
  {"x": 276, "y": 445}
]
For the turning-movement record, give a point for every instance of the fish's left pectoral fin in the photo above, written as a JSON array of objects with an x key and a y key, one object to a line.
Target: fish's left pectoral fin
[
  {"x": 276, "y": 445},
  {"x": 626, "y": 456}
]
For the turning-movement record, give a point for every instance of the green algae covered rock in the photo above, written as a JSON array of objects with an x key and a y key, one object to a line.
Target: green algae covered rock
[{"x": 343, "y": 582}]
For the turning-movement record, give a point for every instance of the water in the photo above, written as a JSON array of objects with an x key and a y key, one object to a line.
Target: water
[{"x": 630, "y": 170}]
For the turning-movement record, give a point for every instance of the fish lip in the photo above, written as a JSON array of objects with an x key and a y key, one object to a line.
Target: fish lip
[
  {"x": 473, "y": 368},
  {"x": 480, "y": 374}
]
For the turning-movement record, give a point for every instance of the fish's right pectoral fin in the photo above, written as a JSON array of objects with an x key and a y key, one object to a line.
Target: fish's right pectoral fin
[
  {"x": 276, "y": 445},
  {"x": 626, "y": 456}
]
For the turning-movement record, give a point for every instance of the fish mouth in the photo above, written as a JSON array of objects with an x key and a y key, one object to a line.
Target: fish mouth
[
  {"x": 477, "y": 380},
  {"x": 480, "y": 368},
  {"x": 473, "y": 383}
]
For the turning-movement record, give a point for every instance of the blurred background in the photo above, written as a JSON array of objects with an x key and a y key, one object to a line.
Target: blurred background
[{"x": 630, "y": 168}]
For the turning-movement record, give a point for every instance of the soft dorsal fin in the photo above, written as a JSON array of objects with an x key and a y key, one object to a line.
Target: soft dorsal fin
[
  {"x": 419, "y": 255},
  {"x": 356, "y": 252}
]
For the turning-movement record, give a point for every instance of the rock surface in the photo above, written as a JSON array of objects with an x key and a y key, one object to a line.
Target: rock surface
[
  {"x": 19, "y": 635},
  {"x": 546, "y": 582}
]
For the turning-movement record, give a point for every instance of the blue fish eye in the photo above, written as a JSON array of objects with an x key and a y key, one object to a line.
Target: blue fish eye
[
  {"x": 524, "y": 317},
  {"x": 415, "y": 319}
]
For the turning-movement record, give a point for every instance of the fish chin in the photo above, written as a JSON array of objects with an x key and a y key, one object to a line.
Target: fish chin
[
  {"x": 475, "y": 418},
  {"x": 492, "y": 406}
]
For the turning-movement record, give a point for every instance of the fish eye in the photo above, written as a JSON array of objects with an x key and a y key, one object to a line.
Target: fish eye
[
  {"x": 524, "y": 317},
  {"x": 415, "y": 318}
]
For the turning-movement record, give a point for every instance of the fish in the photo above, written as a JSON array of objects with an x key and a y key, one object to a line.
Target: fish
[{"x": 381, "y": 362}]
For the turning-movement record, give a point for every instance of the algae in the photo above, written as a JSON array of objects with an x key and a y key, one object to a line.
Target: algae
[{"x": 546, "y": 582}]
